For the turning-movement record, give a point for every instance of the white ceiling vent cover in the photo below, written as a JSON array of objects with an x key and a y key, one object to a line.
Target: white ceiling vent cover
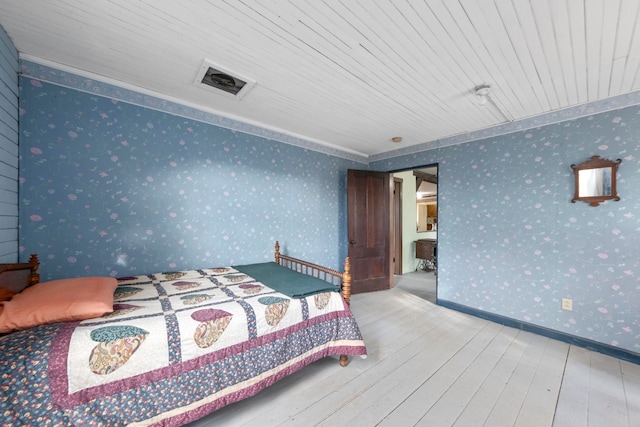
[{"x": 222, "y": 81}]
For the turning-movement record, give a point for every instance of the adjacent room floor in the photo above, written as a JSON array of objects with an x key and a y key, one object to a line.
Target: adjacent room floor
[
  {"x": 419, "y": 283},
  {"x": 431, "y": 366}
]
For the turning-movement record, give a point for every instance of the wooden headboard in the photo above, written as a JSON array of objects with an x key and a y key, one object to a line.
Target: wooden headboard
[{"x": 20, "y": 275}]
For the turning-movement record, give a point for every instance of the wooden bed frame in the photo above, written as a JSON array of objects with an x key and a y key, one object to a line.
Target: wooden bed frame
[
  {"x": 21, "y": 275},
  {"x": 32, "y": 277},
  {"x": 342, "y": 280}
]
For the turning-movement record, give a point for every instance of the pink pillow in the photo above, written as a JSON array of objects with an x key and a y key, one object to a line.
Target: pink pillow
[{"x": 58, "y": 301}]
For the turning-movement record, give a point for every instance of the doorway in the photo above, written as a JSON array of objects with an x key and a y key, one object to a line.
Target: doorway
[
  {"x": 379, "y": 245},
  {"x": 416, "y": 220}
]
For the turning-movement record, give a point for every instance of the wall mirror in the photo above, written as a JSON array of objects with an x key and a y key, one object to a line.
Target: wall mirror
[
  {"x": 426, "y": 199},
  {"x": 595, "y": 181}
]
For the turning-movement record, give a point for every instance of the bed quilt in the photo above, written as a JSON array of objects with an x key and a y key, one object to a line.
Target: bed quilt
[{"x": 178, "y": 346}]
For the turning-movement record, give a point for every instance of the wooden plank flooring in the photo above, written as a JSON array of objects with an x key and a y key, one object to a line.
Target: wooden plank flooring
[{"x": 431, "y": 366}]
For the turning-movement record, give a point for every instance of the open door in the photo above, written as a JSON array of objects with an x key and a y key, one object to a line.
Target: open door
[{"x": 370, "y": 232}]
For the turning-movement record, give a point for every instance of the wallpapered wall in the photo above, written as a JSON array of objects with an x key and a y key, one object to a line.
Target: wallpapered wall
[
  {"x": 511, "y": 243},
  {"x": 109, "y": 188}
]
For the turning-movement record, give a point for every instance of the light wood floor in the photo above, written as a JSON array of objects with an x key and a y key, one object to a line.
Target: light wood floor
[{"x": 431, "y": 366}]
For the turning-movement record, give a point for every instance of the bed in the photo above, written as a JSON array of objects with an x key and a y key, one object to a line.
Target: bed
[{"x": 169, "y": 347}]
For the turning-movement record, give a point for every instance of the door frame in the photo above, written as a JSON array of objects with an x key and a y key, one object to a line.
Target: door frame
[
  {"x": 428, "y": 165},
  {"x": 397, "y": 225}
]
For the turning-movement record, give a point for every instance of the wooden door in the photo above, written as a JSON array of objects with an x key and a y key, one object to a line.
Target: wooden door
[{"x": 370, "y": 233}]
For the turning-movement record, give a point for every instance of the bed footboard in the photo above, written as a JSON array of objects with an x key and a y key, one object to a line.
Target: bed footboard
[{"x": 340, "y": 279}]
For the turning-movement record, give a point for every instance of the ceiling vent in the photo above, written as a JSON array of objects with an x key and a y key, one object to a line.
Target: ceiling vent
[{"x": 222, "y": 81}]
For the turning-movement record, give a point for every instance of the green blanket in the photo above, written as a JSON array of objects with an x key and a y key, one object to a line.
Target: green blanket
[{"x": 285, "y": 280}]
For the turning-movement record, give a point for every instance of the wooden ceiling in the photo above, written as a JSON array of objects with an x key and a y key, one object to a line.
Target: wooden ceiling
[{"x": 348, "y": 73}]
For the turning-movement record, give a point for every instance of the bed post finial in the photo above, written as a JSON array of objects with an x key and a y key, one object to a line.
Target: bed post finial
[
  {"x": 34, "y": 277},
  {"x": 346, "y": 281},
  {"x": 277, "y": 252},
  {"x": 346, "y": 294}
]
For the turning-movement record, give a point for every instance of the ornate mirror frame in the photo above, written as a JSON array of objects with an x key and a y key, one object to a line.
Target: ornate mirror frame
[{"x": 595, "y": 181}]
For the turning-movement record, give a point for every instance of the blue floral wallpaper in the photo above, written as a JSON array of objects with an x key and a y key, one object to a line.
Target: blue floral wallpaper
[
  {"x": 109, "y": 188},
  {"x": 511, "y": 243}
]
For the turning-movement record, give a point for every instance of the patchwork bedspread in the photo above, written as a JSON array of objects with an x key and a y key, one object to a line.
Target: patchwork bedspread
[{"x": 177, "y": 346}]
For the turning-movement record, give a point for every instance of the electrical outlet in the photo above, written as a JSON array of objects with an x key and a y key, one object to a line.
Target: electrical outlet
[{"x": 567, "y": 304}]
